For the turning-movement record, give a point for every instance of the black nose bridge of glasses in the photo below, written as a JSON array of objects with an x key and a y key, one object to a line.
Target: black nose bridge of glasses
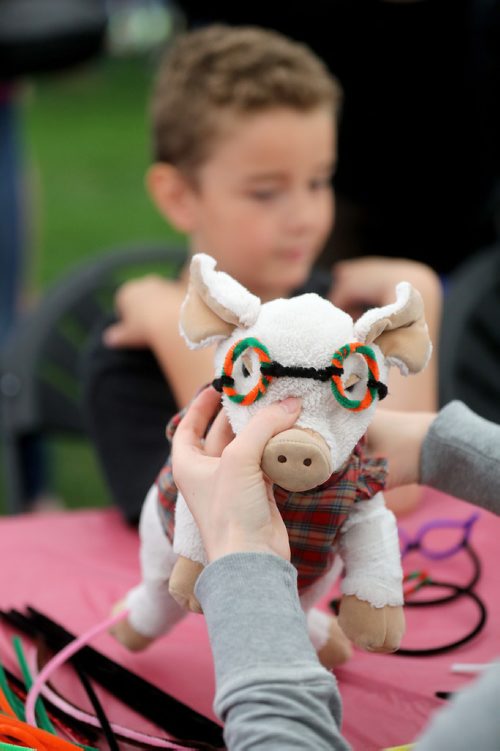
[{"x": 276, "y": 370}]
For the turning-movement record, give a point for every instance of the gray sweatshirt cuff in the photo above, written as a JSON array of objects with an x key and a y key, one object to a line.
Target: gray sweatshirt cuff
[
  {"x": 461, "y": 456},
  {"x": 247, "y": 599}
]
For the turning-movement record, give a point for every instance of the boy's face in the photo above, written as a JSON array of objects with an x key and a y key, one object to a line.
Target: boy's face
[{"x": 263, "y": 205}]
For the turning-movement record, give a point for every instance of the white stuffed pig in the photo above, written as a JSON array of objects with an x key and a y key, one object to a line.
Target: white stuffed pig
[{"x": 326, "y": 489}]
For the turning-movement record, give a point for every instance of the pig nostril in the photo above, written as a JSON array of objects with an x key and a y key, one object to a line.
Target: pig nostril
[
  {"x": 282, "y": 459},
  {"x": 307, "y": 462}
]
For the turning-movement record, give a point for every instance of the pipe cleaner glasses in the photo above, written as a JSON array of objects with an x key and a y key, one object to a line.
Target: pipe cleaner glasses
[
  {"x": 437, "y": 540},
  {"x": 249, "y": 369}
]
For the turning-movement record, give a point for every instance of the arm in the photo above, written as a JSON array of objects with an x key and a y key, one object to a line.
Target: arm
[
  {"x": 461, "y": 456},
  {"x": 271, "y": 690},
  {"x": 148, "y": 310},
  {"x": 455, "y": 451}
]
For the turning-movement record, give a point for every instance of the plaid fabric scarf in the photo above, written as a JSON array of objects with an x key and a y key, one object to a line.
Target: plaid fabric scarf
[{"x": 313, "y": 518}]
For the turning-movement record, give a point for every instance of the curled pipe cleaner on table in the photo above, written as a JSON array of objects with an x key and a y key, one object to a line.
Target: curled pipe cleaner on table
[
  {"x": 189, "y": 728},
  {"x": 79, "y": 714},
  {"x": 101, "y": 715},
  {"x": 12, "y": 729},
  {"x": 45, "y": 723},
  {"x": 43, "y": 718},
  {"x": 12, "y": 706},
  {"x": 58, "y": 659}
]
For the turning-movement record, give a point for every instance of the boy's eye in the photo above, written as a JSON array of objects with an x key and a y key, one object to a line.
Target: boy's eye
[
  {"x": 321, "y": 182},
  {"x": 263, "y": 195}
]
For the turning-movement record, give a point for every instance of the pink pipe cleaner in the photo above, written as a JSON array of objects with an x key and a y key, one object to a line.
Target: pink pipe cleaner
[
  {"x": 61, "y": 657},
  {"x": 90, "y": 719}
]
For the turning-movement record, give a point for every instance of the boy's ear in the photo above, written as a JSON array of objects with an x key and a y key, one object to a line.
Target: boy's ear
[{"x": 172, "y": 195}]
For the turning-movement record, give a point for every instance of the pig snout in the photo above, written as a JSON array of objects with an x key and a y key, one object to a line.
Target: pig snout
[{"x": 297, "y": 460}]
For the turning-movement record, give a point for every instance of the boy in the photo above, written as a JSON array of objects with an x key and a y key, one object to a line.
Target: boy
[{"x": 243, "y": 124}]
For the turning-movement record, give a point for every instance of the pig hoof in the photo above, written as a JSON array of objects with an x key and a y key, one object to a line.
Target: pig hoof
[
  {"x": 128, "y": 636},
  {"x": 337, "y": 649},
  {"x": 186, "y": 601}
]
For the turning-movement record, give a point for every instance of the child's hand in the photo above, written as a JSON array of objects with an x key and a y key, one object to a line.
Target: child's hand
[
  {"x": 228, "y": 495},
  {"x": 369, "y": 282},
  {"x": 142, "y": 306}
]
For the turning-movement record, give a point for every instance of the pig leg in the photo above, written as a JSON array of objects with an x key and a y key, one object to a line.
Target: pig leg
[
  {"x": 331, "y": 644},
  {"x": 152, "y": 610},
  {"x": 191, "y": 559}
]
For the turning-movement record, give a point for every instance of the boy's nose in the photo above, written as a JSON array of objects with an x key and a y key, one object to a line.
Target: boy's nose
[{"x": 304, "y": 213}]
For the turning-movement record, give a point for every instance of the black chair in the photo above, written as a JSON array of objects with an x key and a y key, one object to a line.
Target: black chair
[
  {"x": 40, "y": 384},
  {"x": 469, "y": 347}
]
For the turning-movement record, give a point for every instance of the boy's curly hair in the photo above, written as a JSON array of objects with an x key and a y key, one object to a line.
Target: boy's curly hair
[{"x": 218, "y": 70}]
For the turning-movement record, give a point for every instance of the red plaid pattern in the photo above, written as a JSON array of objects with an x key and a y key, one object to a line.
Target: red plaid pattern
[
  {"x": 313, "y": 519},
  {"x": 167, "y": 491}
]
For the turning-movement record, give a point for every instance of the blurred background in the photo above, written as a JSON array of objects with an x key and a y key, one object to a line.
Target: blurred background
[
  {"x": 77, "y": 139},
  {"x": 418, "y": 172}
]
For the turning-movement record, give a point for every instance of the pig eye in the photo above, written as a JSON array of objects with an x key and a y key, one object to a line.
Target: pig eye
[
  {"x": 241, "y": 379},
  {"x": 351, "y": 382},
  {"x": 247, "y": 365},
  {"x": 356, "y": 391}
]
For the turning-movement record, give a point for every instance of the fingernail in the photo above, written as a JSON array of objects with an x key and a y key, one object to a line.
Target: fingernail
[{"x": 292, "y": 404}]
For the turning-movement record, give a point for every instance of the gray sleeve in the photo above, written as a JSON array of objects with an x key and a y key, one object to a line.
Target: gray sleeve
[
  {"x": 461, "y": 456},
  {"x": 271, "y": 691},
  {"x": 471, "y": 721}
]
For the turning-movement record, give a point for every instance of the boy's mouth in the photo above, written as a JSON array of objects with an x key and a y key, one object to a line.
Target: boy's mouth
[{"x": 295, "y": 254}]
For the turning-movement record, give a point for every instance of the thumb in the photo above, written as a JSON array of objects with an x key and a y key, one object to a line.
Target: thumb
[{"x": 266, "y": 423}]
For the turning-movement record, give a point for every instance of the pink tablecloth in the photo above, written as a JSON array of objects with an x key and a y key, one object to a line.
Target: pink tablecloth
[{"x": 74, "y": 566}]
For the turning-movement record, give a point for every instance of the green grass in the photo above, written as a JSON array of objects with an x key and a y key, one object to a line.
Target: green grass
[
  {"x": 87, "y": 139},
  {"x": 86, "y": 144}
]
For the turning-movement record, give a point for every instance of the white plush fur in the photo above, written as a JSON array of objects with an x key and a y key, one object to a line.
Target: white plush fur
[
  {"x": 370, "y": 550},
  {"x": 187, "y": 541},
  {"x": 367, "y": 320},
  {"x": 153, "y": 611},
  {"x": 306, "y": 331},
  {"x": 228, "y": 293},
  {"x": 302, "y": 331}
]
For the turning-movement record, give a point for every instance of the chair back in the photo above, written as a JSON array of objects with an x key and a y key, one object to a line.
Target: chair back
[{"x": 40, "y": 376}]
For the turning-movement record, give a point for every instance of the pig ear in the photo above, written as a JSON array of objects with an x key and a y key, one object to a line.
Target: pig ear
[
  {"x": 399, "y": 329},
  {"x": 215, "y": 304}
]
